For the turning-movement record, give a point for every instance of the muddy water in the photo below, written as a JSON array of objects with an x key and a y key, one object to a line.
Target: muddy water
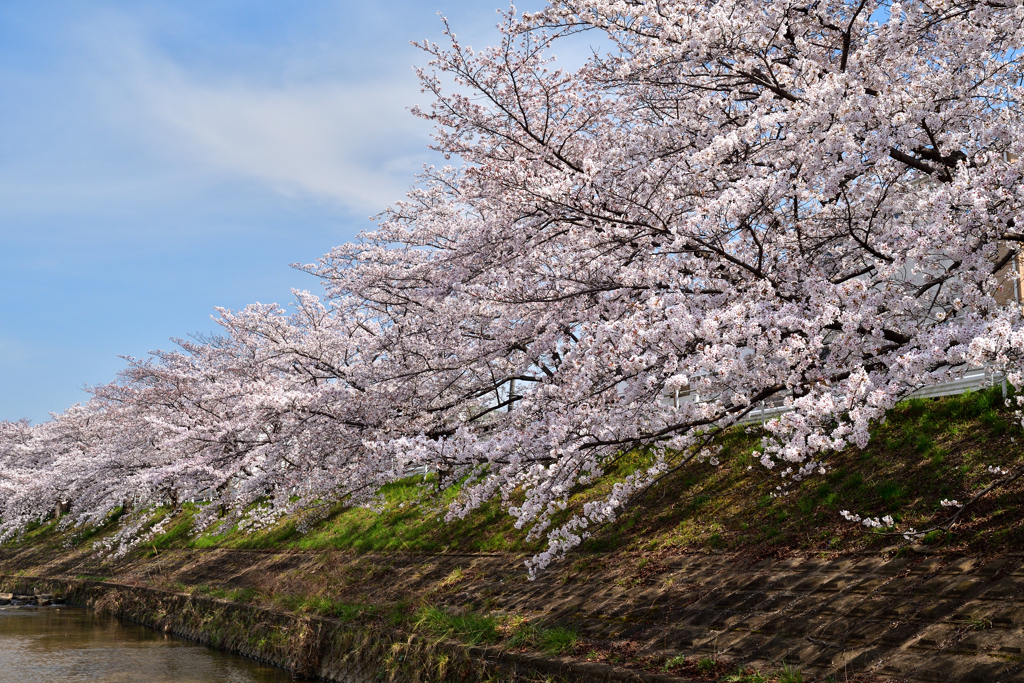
[{"x": 67, "y": 645}]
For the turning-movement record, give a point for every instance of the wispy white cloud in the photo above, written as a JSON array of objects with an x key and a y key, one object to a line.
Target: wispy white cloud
[
  {"x": 346, "y": 142},
  {"x": 343, "y": 139}
]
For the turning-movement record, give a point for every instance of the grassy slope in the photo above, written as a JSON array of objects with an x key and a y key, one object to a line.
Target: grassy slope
[{"x": 927, "y": 450}]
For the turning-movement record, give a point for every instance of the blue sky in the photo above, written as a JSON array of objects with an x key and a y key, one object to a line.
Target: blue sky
[{"x": 158, "y": 159}]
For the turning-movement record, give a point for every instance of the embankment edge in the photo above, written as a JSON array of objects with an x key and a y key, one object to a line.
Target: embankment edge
[{"x": 319, "y": 647}]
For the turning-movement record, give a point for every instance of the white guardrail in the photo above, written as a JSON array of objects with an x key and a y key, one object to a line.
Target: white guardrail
[{"x": 971, "y": 381}]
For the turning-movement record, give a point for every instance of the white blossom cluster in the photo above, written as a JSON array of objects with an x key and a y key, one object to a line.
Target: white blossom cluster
[
  {"x": 869, "y": 522},
  {"x": 744, "y": 200}
]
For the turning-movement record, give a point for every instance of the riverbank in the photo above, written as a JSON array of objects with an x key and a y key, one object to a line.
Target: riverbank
[
  {"x": 318, "y": 647},
  {"x": 713, "y": 576},
  {"x": 690, "y": 617}
]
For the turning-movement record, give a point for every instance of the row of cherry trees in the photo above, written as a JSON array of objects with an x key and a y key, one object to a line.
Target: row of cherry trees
[{"x": 749, "y": 198}]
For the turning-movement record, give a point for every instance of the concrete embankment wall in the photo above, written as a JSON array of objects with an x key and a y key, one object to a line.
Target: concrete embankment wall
[
  {"x": 917, "y": 618},
  {"x": 316, "y": 647}
]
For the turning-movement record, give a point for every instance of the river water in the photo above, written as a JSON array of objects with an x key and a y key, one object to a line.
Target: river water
[{"x": 68, "y": 644}]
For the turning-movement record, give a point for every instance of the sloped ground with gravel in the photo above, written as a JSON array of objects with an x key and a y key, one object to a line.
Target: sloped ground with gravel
[{"x": 708, "y": 617}]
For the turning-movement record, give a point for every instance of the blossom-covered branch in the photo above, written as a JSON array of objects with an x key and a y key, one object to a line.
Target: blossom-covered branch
[{"x": 744, "y": 199}]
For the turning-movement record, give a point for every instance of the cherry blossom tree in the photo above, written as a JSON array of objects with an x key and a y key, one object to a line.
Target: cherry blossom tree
[{"x": 746, "y": 200}]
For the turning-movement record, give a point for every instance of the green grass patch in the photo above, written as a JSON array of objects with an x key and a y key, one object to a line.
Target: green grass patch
[
  {"x": 553, "y": 640},
  {"x": 468, "y": 627},
  {"x": 232, "y": 594},
  {"x": 558, "y": 640},
  {"x": 329, "y": 607}
]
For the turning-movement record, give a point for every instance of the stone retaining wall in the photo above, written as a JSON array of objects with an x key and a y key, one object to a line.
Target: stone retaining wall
[
  {"x": 918, "y": 618},
  {"x": 316, "y": 647}
]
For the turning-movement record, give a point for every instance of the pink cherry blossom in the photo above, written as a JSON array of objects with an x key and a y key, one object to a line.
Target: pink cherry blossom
[{"x": 744, "y": 200}]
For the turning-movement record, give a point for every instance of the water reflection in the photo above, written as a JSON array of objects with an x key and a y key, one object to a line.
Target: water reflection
[{"x": 68, "y": 644}]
